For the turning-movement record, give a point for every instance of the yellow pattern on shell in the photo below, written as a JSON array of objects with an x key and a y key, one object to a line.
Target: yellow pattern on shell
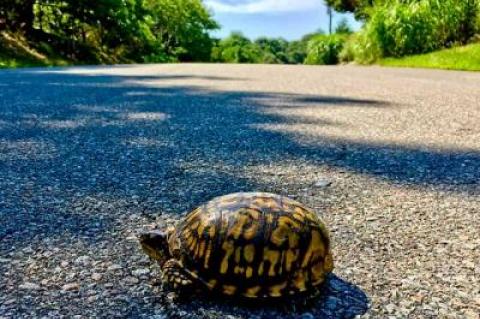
[
  {"x": 238, "y": 254},
  {"x": 238, "y": 270},
  {"x": 212, "y": 283},
  {"x": 252, "y": 292},
  {"x": 290, "y": 258},
  {"x": 201, "y": 250},
  {"x": 260, "y": 268},
  {"x": 254, "y": 214},
  {"x": 236, "y": 230},
  {"x": 317, "y": 273},
  {"x": 299, "y": 280},
  {"x": 299, "y": 216},
  {"x": 201, "y": 228},
  {"x": 276, "y": 290},
  {"x": 328, "y": 263},
  {"x": 211, "y": 231},
  {"x": 251, "y": 231},
  {"x": 273, "y": 257},
  {"x": 228, "y": 238},
  {"x": 269, "y": 218},
  {"x": 249, "y": 272},
  {"x": 249, "y": 253},
  {"x": 315, "y": 249},
  {"x": 279, "y": 236},
  {"x": 229, "y": 289},
  {"x": 207, "y": 255},
  {"x": 284, "y": 221},
  {"x": 228, "y": 247},
  {"x": 193, "y": 215}
]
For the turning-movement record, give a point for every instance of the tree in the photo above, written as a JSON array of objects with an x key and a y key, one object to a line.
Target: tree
[
  {"x": 236, "y": 49},
  {"x": 181, "y": 27},
  {"x": 17, "y": 15},
  {"x": 153, "y": 30},
  {"x": 343, "y": 27},
  {"x": 297, "y": 52},
  {"x": 272, "y": 50},
  {"x": 325, "y": 49},
  {"x": 344, "y": 5},
  {"x": 356, "y": 6}
]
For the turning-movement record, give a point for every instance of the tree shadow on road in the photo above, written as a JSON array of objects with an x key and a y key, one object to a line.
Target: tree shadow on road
[{"x": 70, "y": 141}]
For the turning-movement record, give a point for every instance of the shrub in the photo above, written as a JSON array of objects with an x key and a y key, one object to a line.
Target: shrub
[
  {"x": 405, "y": 27},
  {"x": 236, "y": 49},
  {"x": 477, "y": 24},
  {"x": 351, "y": 49},
  {"x": 324, "y": 49},
  {"x": 343, "y": 27}
]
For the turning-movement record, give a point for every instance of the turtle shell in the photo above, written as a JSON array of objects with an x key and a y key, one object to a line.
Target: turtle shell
[{"x": 255, "y": 245}]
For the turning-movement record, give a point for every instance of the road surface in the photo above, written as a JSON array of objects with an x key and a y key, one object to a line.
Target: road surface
[{"x": 91, "y": 156}]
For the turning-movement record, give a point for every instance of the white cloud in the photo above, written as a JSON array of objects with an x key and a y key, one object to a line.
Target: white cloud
[{"x": 259, "y": 6}]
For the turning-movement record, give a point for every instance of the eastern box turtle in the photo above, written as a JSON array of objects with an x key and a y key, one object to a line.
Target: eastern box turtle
[{"x": 255, "y": 245}]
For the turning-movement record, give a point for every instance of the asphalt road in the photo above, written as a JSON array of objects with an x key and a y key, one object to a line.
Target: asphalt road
[{"x": 91, "y": 156}]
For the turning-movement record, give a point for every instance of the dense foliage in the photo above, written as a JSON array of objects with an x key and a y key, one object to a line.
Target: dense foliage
[
  {"x": 104, "y": 31},
  {"x": 95, "y": 31},
  {"x": 358, "y": 7},
  {"x": 237, "y": 48},
  {"x": 404, "y": 27},
  {"x": 325, "y": 49}
]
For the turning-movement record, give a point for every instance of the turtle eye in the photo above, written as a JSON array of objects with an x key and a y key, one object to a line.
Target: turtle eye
[{"x": 156, "y": 240}]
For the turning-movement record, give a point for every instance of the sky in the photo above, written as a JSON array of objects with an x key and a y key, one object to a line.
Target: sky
[{"x": 290, "y": 19}]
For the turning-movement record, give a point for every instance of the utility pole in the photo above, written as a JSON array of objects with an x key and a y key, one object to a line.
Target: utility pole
[{"x": 330, "y": 17}]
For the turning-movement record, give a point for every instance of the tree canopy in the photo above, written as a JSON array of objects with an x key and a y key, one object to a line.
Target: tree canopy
[{"x": 150, "y": 30}]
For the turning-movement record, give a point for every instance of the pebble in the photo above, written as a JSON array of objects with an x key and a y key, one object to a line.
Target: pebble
[
  {"x": 115, "y": 267},
  {"x": 92, "y": 298},
  {"x": 323, "y": 183},
  {"x": 82, "y": 260},
  {"x": 131, "y": 280},
  {"x": 141, "y": 272},
  {"x": 71, "y": 287},
  {"x": 96, "y": 276},
  {"x": 29, "y": 286},
  {"x": 471, "y": 314}
]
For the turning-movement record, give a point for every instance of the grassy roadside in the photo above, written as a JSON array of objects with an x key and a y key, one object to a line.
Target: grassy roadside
[
  {"x": 8, "y": 61},
  {"x": 15, "y": 52},
  {"x": 465, "y": 58}
]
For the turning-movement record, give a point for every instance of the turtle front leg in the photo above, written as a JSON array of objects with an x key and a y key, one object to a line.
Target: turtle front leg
[{"x": 176, "y": 277}]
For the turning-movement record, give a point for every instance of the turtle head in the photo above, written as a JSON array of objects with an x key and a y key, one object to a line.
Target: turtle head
[{"x": 155, "y": 244}]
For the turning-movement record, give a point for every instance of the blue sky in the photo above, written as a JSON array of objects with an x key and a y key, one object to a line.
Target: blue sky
[{"x": 289, "y": 19}]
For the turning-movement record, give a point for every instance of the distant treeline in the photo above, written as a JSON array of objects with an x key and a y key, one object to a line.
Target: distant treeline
[
  {"x": 106, "y": 31},
  {"x": 237, "y": 48}
]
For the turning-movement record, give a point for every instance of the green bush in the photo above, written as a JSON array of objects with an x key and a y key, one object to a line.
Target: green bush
[
  {"x": 477, "y": 24},
  {"x": 324, "y": 49},
  {"x": 350, "y": 49},
  {"x": 236, "y": 49},
  {"x": 406, "y": 27}
]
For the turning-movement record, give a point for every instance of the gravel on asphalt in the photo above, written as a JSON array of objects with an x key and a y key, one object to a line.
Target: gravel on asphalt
[{"x": 92, "y": 156}]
